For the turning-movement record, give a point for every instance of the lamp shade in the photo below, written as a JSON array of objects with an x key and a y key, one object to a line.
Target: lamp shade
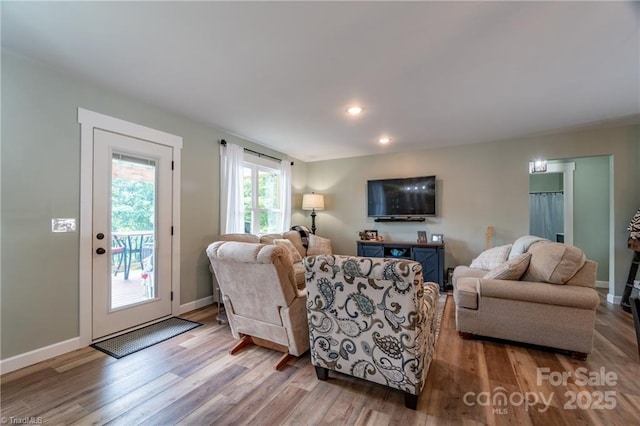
[{"x": 313, "y": 201}]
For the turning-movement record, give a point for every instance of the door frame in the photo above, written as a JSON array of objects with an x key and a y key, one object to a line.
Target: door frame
[
  {"x": 90, "y": 120},
  {"x": 566, "y": 168}
]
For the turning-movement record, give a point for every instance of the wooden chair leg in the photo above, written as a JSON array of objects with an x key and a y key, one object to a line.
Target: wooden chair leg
[
  {"x": 410, "y": 400},
  {"x": 322, "y": 373},
  {"x": 580, "y": 356},
  {"x": 465, "y": 335},
  {"x": 282, "y": 361},
  {"x": 245, "y": 341}
]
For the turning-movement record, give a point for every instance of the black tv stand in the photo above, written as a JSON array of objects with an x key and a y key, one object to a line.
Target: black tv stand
[
  {"x": 399, "y": 219},
  {"x": 430, "y": 255}
]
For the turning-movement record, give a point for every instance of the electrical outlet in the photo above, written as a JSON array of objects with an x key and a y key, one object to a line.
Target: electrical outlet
[{"x": 60, "y": 224}]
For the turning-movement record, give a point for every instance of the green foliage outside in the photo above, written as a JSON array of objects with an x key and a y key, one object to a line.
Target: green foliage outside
[
  {"x": 267, "y": 201},
  {"x": 133, "y": 204}
]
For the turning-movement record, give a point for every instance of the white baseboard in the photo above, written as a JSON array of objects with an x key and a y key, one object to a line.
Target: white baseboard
[
  {"x": 196, "y": 304},
  {"x": 38, "y": 355},
  {"x": 602, "y": 284},
  {"x": 42, "y": 354},
  {"x": 613, "y": 300}
]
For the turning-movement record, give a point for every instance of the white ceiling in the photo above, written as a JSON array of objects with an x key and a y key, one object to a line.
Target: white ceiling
[{"x": 428, "y": 74}]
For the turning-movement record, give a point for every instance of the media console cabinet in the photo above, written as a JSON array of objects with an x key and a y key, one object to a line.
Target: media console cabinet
[{"x": 430, "y": 255}]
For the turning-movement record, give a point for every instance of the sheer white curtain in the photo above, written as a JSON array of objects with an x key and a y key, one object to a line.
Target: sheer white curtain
[
  {"x": 285, "y": 195},
  {"x": 231, "y": 193}
]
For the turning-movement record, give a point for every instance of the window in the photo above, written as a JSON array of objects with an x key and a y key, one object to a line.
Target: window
[{"x": 262, "y": 211}]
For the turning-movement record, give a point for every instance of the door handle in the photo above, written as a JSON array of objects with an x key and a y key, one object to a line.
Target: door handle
[{"x": 100, "y": 250}]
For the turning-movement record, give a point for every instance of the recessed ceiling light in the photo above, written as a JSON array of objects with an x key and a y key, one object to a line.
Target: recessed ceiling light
[
  {"x": 384, "y": 140},
  {"x": 354, "y": 110}
]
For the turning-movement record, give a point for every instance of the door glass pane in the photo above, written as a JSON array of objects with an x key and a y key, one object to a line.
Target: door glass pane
[{"x": 133, "y": 207}]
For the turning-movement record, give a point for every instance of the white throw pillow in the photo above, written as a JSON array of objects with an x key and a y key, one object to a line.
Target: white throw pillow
[
  {"x": 293, "y": 251},
  {"x": 522, "y": 244},
  {"x": 512, "y": 269},
  {"x": 491, "y": 258}
]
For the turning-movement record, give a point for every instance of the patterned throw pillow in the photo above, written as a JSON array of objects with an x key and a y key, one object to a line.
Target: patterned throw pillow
[
  {"x": 511, "y": 269},
  {"x": 491, "y": 258},
  {"x": 293, "y": 251}
]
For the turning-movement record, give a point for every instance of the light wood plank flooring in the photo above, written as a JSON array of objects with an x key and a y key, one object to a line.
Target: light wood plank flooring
[{"x": 192, "y": 380}]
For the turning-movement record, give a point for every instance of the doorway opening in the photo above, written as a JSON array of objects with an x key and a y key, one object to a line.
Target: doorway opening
[{"x": 586, "y": 188}]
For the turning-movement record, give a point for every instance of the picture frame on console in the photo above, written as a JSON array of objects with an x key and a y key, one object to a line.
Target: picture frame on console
[
  {"x": 422, "y": 236},
  {"x": 368, "y": 235},
  {"x": 372, "y": 234},
  {"x": 437, "y": 238}
]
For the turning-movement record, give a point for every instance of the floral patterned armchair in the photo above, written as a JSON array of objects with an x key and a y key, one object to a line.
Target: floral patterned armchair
[{"x": 371, "y": 318}]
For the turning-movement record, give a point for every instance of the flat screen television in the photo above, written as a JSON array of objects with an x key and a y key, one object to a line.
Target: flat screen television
[{"x": 414, "y": 196}]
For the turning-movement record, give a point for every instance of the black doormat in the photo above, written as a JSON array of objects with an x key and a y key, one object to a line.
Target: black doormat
[{"x": 142, "y": 338}]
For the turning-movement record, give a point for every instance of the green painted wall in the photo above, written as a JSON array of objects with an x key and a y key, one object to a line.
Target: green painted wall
[
  {"x": 548, "y": 182},
  {"x": 40, "y": 180},
  {"x": 480, "y": 185},
  {"x": 591, "y": 210}
]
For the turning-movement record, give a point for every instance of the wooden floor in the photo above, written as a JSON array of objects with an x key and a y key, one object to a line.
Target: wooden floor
[{"x": 192, "y": 380}]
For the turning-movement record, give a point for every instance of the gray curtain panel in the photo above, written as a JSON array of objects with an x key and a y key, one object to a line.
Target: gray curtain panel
[{"x": 546, "y": 217}]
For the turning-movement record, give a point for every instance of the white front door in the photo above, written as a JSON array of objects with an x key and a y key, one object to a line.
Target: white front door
[{"x": 132, "y": 227}]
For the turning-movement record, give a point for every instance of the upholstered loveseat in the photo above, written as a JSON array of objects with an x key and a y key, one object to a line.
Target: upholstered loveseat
[{"x": 542, "y": 294}]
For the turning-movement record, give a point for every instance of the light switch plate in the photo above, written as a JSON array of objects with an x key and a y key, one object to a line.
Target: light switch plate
[{"x": 61, "y": 224}]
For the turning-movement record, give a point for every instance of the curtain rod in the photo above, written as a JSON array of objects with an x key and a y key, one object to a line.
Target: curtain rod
[
  {"x": 259, "y": 154},
  {"x": 546, "y": 192}
]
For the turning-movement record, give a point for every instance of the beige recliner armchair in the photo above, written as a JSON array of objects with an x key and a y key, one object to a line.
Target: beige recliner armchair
[{"x": 263, "y": 303}]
